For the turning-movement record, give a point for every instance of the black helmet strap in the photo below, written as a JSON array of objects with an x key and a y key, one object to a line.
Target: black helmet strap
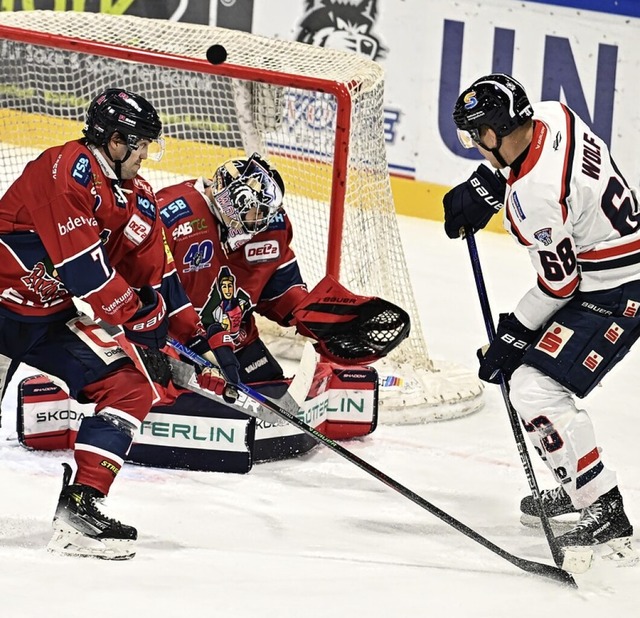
[
  {"x": 116, "y": 162},
  {"x": 496, "y": 151}
]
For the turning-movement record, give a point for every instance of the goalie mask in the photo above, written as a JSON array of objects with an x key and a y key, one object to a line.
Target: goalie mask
[
  {"x": 130, "y": 115},
  {"x": 247, "y": 195}
]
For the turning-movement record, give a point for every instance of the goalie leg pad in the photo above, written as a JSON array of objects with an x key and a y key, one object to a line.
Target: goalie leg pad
[{"x": 353, "y": 402}]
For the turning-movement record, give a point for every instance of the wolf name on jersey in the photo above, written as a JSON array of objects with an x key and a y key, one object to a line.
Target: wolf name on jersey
[
  {"x": 262, "y": 275},
  {"x": 72, "y": 229}
]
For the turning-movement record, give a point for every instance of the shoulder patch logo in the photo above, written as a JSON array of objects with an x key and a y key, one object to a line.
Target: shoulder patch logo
[
  {"x": 81, "y": 170},
  {"x": 544, "y": 236}
]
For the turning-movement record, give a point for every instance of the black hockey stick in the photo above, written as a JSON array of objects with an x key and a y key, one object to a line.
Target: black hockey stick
[
  {"x": 529, "y": 566},
  {"x": 514, "y": 419}
]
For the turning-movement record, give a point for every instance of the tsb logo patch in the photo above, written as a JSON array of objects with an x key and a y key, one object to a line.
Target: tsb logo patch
[
  {"x": 263, "y": 251},
  {"x": 554, "y": 339}
]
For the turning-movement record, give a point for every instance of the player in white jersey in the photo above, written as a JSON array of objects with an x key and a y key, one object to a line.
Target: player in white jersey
[{"x": 568, "y": 204}]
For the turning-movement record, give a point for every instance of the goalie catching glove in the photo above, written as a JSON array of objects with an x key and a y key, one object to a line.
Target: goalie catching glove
[
  {"x": 504, "y": 355},
  {"x": 350, "y": 329}
]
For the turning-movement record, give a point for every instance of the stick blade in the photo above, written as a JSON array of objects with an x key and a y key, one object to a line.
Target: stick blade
[{"x": 546, "y": 570}]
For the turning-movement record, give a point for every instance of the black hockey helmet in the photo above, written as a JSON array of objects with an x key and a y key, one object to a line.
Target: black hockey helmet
[
  {"x": 131, "y": 115},
  {"x": 497, "y": 101}
]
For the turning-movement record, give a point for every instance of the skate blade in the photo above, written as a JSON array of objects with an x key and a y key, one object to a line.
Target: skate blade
[
  {"x": 623, "y": 553},
  {"x": 67, "y": 541},
  {"x": 561, "y": 523},
  {"x": 577, "y": 559}
]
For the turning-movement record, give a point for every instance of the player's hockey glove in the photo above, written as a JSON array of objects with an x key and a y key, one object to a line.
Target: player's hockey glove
[
  {"x": 471, "y": 204},
  {"x": 218, "y": 343},
  {"x": 504, "y": 354},
  {"x": 148, "y": 327}
]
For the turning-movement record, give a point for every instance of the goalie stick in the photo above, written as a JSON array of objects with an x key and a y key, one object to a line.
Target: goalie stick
[
  {"x": 483, "y": 297},
  {"x": 537, "y": 568}
]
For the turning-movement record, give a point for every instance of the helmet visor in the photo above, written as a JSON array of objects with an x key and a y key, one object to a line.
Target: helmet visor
[
  {"x": 155, "y": 152},
  {"x": 154, "y": 147},
  {"x": 469, "y": 139}
]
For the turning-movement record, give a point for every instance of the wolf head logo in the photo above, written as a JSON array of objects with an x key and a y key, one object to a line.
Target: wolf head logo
[{"x": 342, "y": 24}]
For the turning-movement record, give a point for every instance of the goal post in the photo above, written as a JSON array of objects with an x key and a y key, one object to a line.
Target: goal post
[{"x": 316, "y": 113}]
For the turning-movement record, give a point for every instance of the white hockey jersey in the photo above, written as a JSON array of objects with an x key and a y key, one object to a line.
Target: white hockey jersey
[{"x": 571, "y": 207}]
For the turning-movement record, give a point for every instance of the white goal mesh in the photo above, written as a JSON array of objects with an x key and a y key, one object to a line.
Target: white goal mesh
[{"x": 316, "y": 113}]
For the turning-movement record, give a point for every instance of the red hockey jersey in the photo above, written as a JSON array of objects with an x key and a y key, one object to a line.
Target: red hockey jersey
[
  {"x": 262, "y": 275},
  {"x": 69, "y": 228}
]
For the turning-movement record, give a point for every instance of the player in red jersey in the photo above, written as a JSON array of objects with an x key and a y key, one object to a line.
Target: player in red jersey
[{"x": 79, "y": 222}]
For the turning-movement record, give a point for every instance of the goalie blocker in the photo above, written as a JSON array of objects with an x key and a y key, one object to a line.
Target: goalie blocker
[{"x": 195, "y": 433}]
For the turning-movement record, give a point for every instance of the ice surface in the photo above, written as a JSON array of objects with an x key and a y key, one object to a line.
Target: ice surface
[{"x": 316, "y": 536}]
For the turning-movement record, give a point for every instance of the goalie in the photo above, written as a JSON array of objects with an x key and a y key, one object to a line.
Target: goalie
[{"x": 231, "y": 242}]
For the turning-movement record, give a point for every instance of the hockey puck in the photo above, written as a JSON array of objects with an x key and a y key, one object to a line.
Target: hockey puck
[{"x": 216, "y": 54}]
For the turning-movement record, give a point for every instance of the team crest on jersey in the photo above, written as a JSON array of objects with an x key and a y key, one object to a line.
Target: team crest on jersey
[
  {"x": 47, "y": 287},
  {"x": 554, "y": 339},
  {"x": 227, "y": 305},
  {"x": 543, "y": 236},
  {"x": 81, "y": 170}
]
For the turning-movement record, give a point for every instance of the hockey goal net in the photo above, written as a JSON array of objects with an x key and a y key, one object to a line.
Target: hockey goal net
[{"x": 316, "y": 113}]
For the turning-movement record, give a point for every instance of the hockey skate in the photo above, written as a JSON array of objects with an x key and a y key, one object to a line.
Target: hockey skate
[
  {"x": 557, "y": 505},
  {"x": 602, "y": 523},
  {"x": 81, "y": 529}
]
